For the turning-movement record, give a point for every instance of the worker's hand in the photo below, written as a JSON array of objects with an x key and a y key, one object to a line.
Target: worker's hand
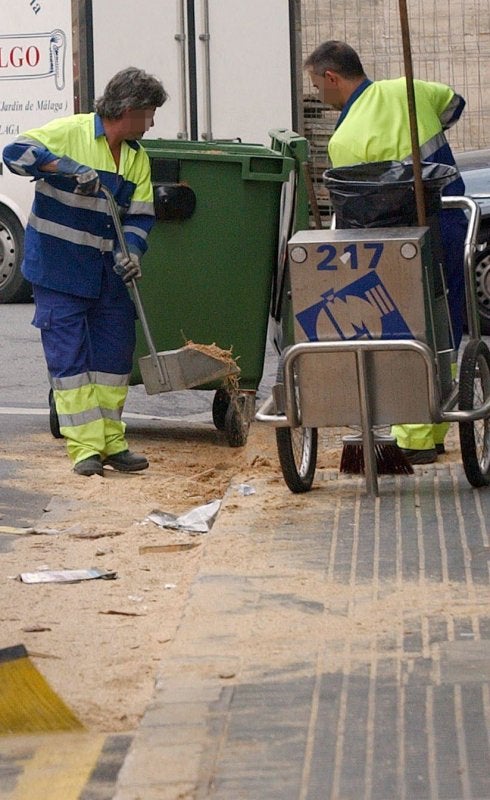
[
  {"x": 128, "y": 268},
  {"x": 88, "y": 181}
]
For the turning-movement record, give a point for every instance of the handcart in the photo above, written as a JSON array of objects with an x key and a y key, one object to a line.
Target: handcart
[{"x": 373, "y": 347}]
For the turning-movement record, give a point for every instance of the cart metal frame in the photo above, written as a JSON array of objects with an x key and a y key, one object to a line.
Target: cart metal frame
[{"x": 282, "y": 409}]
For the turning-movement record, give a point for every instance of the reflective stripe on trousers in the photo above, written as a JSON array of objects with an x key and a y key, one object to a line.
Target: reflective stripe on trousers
[{"x": 90, "y": 416}]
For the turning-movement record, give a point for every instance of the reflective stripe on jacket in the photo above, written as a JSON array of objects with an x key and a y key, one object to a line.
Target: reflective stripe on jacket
[{"x": 68, "y": 233}]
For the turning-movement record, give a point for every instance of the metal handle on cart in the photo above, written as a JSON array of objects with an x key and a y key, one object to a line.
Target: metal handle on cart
[
  {"x": 290, "y": 416},
  {"x": 468, "y": 204}
]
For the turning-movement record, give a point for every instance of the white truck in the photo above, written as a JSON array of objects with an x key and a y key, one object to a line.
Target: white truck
[{"x": 232, "y": 71}]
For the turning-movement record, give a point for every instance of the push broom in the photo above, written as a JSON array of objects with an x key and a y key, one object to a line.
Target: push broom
[
  {"x": 28, "y": 704},
  {"x": 390, "y": 459}
]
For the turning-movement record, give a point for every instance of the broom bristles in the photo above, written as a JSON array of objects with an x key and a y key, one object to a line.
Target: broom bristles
[{"x": 390, "y": 459}]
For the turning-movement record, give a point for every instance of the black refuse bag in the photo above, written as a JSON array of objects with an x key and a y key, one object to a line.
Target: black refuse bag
[{"x": 382, "y": 193}]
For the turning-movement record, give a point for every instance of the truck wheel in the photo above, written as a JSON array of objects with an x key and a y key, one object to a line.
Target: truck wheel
[{"x": 13, "y": 286}]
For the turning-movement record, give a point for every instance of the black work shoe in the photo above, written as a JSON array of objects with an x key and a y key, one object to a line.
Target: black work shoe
[
  {"x": 420, "y": 456},
  {"x": 440, "y": 449},
  {"x": 126, "y": 461},
  {"x": 89, "y": 466}
]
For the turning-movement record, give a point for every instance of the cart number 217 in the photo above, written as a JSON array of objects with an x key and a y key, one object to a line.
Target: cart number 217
[{"x": 349, "y": 255}]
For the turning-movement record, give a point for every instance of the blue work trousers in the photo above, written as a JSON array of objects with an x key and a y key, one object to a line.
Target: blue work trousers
[{"x": 88, "y": 345}]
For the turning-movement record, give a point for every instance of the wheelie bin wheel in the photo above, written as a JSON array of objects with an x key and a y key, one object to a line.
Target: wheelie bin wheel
[
  {"x": 221, "y": 403},
  {"x": 297, "y": 450},
  {"x": 54, "y": 422},
  {"x": 237, "y": 421},
  {"x": 474, "y": 390}
]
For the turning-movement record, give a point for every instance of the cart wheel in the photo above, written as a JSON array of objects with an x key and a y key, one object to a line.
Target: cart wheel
[
  {"x": 237, "y": 422},
  {"x": 474, "y": 390},
  {"x": 297, "y": 451},
  {"x": 54, "y": 422},
  {"x": 221, "y": 404}
]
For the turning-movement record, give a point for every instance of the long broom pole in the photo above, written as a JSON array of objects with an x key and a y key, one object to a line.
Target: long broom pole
[{"x": 412, "y": 113}]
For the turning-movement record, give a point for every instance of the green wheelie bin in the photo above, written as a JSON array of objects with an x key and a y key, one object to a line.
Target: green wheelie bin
[{"x": 212, "y": 254}]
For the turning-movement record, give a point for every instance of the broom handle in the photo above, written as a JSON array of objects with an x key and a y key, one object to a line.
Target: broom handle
[{"x": 412, "y": 113}]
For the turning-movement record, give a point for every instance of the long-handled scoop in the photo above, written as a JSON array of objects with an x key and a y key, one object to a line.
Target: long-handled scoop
[{"x": 171, "y": 370}]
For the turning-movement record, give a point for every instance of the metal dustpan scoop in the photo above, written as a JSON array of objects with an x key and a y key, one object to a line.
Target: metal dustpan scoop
[
  {"x": 189, "y": 366},
  {"x": 172, "y": 370}
]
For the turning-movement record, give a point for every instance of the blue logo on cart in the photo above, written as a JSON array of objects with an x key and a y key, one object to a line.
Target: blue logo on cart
[{"x": 362, "y": 310}]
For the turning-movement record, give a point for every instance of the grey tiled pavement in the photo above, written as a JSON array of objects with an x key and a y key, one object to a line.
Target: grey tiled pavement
[{"x": 350, "y": 659}]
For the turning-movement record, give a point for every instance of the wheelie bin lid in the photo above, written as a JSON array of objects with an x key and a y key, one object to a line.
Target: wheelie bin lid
[
  {"x": 257, "y": 162},
  {"x": 376, "y": 173}
]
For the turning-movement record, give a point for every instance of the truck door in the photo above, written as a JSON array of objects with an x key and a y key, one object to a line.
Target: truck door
[{"x": 227, "y": 66}]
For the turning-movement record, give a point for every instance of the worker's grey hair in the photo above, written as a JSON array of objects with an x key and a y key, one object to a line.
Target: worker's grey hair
[
  {"x": 131, "y": 88},
  {"x": 335, "y": 56}
]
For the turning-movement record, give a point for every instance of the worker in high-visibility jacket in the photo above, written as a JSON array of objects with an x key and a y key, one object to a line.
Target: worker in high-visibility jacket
[
  {"x": 82, "y": 305},
  {"x": 374, "y": 125}
]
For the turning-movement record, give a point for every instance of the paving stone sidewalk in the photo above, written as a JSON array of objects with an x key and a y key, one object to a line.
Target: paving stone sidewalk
[{"x": 350, "y": 660}]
